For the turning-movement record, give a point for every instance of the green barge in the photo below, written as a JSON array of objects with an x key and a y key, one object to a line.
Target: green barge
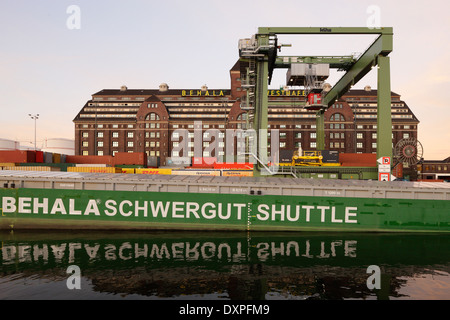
[{"x": 99, "y": 201}]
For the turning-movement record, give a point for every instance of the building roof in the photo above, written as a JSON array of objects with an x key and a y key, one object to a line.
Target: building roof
[
  {"x": 446, "y": 160},
  {"x": 148, "y": 92},
  {"x": 362, "y": 92}
]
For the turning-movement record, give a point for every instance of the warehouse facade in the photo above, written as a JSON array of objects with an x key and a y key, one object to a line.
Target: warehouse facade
[{"x": 149, "y": 120}]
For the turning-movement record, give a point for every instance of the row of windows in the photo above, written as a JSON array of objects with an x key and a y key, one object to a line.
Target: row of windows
[
  {"x": 438, "y": 168},
  {"x": 101, "y": 126},
  {"x": 333, "y": 135},
  {"x": 115, "y": 134},
  {"x": 115, "y": 144}
]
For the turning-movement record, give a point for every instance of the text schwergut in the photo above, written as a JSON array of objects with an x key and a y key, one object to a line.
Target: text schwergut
[{"x": 179, "y": 210}]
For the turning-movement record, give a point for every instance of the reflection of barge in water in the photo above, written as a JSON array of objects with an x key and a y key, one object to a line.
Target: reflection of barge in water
[
  {"x": 228, "y": 265},
  {"x": 60, "y": 200}
]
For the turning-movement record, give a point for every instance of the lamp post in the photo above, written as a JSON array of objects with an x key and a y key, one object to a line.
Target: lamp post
[{"x": 34, "y": 117}]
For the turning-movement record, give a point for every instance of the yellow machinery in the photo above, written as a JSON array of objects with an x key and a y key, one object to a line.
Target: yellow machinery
[{"x": 308, "y": 158}]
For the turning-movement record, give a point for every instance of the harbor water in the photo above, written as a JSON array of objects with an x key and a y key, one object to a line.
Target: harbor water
[{"x": 223, "y": 266}]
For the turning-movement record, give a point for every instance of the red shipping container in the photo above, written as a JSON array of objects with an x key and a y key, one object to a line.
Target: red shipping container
[
  {"x": 39, "y": 156},
  {"x": 108, "y": 160},
  {"x": 203, "y": 161},
  {"x": 233, "y": 166},
  {"x": 17, "y": 156},
  {"x": 358, "y": 159},
  {"x": 126, "y": 158}
]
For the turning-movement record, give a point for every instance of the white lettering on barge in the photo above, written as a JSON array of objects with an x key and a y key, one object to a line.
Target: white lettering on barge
[{"x": 180, "y": 210}]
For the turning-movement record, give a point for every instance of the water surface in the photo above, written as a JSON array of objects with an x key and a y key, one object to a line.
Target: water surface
[{"x": 223, "y": 266}]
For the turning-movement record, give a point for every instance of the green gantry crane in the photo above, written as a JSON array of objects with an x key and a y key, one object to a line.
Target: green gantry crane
[{"x": 260, "y": 52}]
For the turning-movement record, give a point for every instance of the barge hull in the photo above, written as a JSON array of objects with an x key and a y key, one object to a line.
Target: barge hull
[{"x": 29, "y": 208}]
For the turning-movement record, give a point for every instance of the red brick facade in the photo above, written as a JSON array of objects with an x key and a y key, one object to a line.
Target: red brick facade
[{"x": 135, "y": 120}]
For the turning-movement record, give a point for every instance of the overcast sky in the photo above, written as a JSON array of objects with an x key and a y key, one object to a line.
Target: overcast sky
[{"x": 51, "y": 62}]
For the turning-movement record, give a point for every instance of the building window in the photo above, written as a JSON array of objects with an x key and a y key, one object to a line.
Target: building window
[
  {"x": 115, "y": 134},
  {"x": 313, "y": 145},
  {"x": 130, "y": 144},
  {"x": 374, "y": 145},
  {"x": 374, "y": 135},
  {"x": 85, "y": 153},
  {"x": 100, "y": 153},
  {"x": 152, "y": 117},
  {"x": 99, "y": 143},
  {"x": 337, "y": 117},
  {"x": 312, "y": 135},
  {"x": 130, "y": 134},
  {"x": 99, "y": 134},
  {"x": 405, "y": 135},
  {"x": 85, "y": 134},
  {"x": 359, "y": 145},
  {"x": 298, "y": 135},
  {"x": 359, "y": 135},
  {"x": 115, "y": 144},
  {"x": 85, "y": 144}
]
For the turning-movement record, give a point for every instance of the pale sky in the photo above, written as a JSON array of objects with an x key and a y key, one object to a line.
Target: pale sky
[{"x": 51, "y": 69}]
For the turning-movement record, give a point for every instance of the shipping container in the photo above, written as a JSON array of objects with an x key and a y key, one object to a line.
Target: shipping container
[
  {"x": 285, "y": 156},
  {"x": 179, "y": 161},
  {"x": 56, "y": 158},
  {"x": 95, "y": 169},
  {"x": 330, "y": 156},
  {"x": 358, "y": 159},
  {"x": 17, "y": 156},
  {"x": 32, "y": 168},
  {"x": 39, "y": 156},
  {"x": 237, "y": 173},
  {"x": 109, "y": 160},
  {"x": 191, "y": 172},
  {"x": 9, "y": 164},
  {"x": 205, "y": 162},
  {"x": 97, "y": 165},
  {"x": 48, "y": 157},
  {"x": 136, "y": 158},
  {"x": 152, "y": 171},
  {"x": 233, "y": 166},
  {"x": 153, "y": 162}
]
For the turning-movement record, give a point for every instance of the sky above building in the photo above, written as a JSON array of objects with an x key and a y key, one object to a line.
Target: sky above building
[{"x": 56, "y": 54}]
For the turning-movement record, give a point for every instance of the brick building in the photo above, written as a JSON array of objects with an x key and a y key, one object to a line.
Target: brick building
[
  {"x": 144, "y": 120},
  {"x": 435, "y": 170}
]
